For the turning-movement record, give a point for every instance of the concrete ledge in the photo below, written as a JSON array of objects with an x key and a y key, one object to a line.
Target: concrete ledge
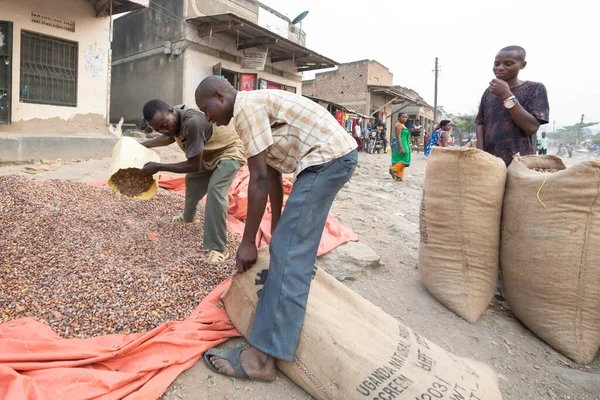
[{"x": 15, "y": 147}]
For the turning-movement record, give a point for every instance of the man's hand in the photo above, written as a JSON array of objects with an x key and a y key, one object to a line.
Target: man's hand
[
  {"x": 246, "y": 256},
  {"x": 150, "y": 168},
  {"x": 500, "y": 88}
]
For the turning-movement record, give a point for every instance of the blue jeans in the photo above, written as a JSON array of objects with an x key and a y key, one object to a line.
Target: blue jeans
[{"x": 293, "y": 249}]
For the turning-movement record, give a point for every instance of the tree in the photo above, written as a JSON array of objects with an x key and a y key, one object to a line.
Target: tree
[
  {"x": 465, "y": 124},
  {"x": 571, "y": 133}
]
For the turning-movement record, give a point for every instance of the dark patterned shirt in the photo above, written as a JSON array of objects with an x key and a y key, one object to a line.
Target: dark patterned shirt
[{"x": 503, "y": 137}]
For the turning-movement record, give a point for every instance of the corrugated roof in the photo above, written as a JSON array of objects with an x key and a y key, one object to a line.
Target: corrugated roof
[{"x": 253, "y": 35}]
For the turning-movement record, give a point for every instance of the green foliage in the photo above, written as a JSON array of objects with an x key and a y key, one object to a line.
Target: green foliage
[
  {"x": 465, "y": 123},
  {"x": 571, "y": 133}
]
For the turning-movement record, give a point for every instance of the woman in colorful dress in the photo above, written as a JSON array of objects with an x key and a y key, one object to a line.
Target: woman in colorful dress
[
  {"x": 400, "y": 148},
  {"x": 433, "y": 139}
]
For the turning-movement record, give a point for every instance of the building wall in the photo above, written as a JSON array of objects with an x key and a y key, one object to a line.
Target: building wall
[
  {"x": 92, "y": 36},
  {"x": 346, "y": 86},
  {"x": 309, "y": 87},
  {"x": 199, "y": 62},
  {"x": 379, "y": 74},
  {"x": 245, "y": 9},
  {"x": 141, "y": 70}
]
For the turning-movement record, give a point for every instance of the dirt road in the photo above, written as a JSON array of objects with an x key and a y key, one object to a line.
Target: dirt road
[{"x": 385, "y": 216}]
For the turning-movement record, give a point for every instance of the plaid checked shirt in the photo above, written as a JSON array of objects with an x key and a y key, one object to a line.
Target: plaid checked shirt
[{"x": 296, "y": 132}]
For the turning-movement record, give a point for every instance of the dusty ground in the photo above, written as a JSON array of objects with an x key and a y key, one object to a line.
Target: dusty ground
[{"x": 385, "y": 216}]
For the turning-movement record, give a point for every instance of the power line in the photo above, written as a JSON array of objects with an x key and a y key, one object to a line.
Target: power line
[
  {"x": 172, "y": 17},
  {"x": 186, "y": 24}
]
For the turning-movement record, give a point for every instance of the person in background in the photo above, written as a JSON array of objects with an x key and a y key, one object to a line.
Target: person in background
[
  {"x": 433, "y": 140},
  {"x": 358, "y": 134},
  {"x": 570, "y": 149},
  {"x": 511, "y": 110},
  {"x": 444, "y": 138},
  {"x": 415, "y": 136},
  {"x": 380, "y": 125},
  {"x": 282, "y": 132},
  {"x": 425, "y": 140},
  {"x": 561, "y": 150},
  {"x": 365, "y": 136},
  {"x": 400, "y": 145},
  {"x": 214, "y": 156},
  {"x": 543, "y": 143}
]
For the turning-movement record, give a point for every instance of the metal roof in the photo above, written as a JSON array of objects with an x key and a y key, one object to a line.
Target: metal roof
[
  {"x": 398, "y": 95},
  {"x": 252, "y": 35}
]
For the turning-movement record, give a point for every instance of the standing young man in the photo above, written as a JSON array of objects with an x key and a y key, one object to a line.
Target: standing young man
[
  {"x": 543, "y": 143},
  {"x": 358, "y": 134},
  {"x": 282, "y": 132},
  {"x": 415, "y": 136},
  {"x": 214, "y": 156},
  {"x": 511, "y": 110}
]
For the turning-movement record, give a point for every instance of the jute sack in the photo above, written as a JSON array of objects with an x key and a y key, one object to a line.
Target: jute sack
[
  {"x": 350, "y": 349},
  {"x": 550, "y": 252},
  {"x": 460, "y": 228}
]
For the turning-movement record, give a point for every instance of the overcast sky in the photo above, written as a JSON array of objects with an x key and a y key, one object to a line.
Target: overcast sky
[{"x": 562, "y": 42}]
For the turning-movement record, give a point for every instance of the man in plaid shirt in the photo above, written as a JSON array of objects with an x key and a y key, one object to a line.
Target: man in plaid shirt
[{"x": 282, "y": 132}]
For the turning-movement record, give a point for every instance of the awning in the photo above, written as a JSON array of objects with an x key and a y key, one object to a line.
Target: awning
[
  {"x": 390, "y": 91},
  {"x": 251, "y": 35},
  {"x": 397, "y": 95},
  {"x": 318, "y": 100},
  {"x": 118, "y": 6}
]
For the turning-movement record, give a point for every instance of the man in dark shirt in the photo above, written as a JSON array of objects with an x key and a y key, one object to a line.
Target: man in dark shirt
[
  {"x": 511, "y": 110},
  {"x": 214, "y": 155}
]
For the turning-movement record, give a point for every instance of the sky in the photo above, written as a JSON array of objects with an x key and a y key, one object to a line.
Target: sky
[{"x": 562, "y": 41}]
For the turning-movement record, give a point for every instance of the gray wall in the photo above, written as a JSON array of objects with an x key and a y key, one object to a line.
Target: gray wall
[{"x": 140, "y": 69}]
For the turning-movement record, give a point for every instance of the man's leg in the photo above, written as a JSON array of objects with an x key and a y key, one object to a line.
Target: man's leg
[
  {"x": 196, "y": 185},
  {"x": 217, "y": 203},
  {"x": 282, "y": 304},
  {"x": 293, "y": 249}
]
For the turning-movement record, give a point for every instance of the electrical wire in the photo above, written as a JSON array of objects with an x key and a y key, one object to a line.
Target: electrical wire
[{"x": 186, "y": 24}]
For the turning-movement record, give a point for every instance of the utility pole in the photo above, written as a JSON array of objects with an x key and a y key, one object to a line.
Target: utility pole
[
  {"x": 553, "y": 126},
  {"x": 581, "y": 127},
  {"x": 435, "y": 98}
]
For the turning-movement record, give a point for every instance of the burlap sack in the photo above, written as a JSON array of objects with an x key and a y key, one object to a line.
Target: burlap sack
[
  {"x": 550, "y": 252},
  {"x": 350, "y": 349},
  {"x": 460, "y": 228}
]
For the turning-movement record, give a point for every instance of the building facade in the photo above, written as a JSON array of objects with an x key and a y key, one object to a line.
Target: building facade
[
  {"x": 55, "y": 65},
  {"x": 167, "y": 50},
  {"x": 366, "y": 87}
]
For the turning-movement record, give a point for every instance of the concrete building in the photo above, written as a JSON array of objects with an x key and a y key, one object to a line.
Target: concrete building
[
  {"x": 165, "y": 52},
  {"x": 366, "y": 87},
  {"x": 54, "y": 73},
  {"x": 417, "y": 109}
]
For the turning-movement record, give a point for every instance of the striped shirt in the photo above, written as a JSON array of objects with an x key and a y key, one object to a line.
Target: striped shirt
[{"x": 296, "y": 132}]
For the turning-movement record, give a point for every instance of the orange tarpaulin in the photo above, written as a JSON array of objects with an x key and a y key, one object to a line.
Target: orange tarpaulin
[
  {"x": 334, "y": 234},
  {"x": 36, "y": 364}
]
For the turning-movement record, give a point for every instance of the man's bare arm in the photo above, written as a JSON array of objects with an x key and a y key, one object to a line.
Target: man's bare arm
[
  {"x": 480, "y": 134},
  {"x": 159, "y": 141}
]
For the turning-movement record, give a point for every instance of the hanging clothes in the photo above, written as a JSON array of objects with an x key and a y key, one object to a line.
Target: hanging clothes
[{"x": 339, "y": 117}]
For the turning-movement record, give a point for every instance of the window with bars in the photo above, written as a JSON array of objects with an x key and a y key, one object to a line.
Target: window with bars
[{"x": 48, "y": 70}]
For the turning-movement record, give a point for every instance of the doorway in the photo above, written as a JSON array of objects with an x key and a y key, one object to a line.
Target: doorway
[{"x": 5, "y": 71}]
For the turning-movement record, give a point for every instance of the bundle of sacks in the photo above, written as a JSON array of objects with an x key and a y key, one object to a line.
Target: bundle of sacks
[
  {"x": 546, "y": 241},
  {"x": 352, "y": 350}
]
